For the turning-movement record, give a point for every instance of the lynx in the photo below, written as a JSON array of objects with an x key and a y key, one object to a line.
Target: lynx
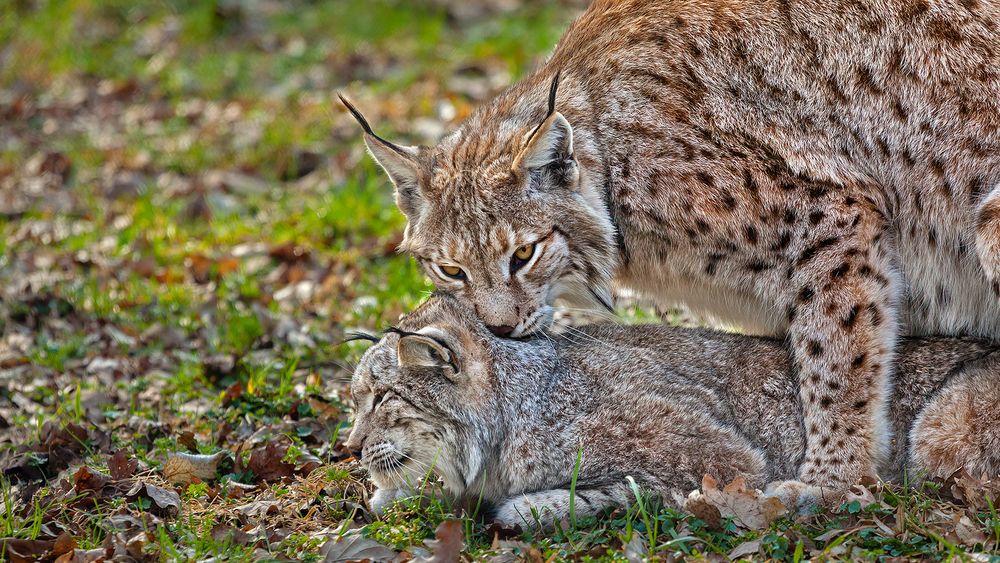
[
  {"x": 502, "y": 421},
  {"x": 821, "y": 170}
]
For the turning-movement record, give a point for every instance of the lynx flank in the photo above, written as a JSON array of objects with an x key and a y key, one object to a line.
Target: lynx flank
[
  {"x": 825, "y": 170},
  {"x": 506, "y": 419}
]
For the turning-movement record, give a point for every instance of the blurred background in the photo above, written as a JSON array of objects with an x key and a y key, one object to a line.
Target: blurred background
[{"x": 179, "y": 176}]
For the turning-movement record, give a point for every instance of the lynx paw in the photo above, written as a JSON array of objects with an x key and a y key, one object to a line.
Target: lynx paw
[
  {"x": 530, "y": 513},
  {"x": 384, "y": 498},
  {"x": 802, "y": 498}
]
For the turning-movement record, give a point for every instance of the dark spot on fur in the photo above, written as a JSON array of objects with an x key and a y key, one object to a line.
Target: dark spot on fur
[
  {"x": 815, "y": 217},
  {"x": 751, "y": 234},
  {"x": 703, "y": 227},
  {"x": 943, "y": 30},
  {"x": 789, "y": 216},
  {"x": 859, "y": 360},
  {"x": 852, "y": 317},
  {"x": 833, "y": 385},
  {"x": 901, "y": 112},
  {"x": 728, "y": 201},
  {"x": 840, "y": 271},
  {"x": 859, "y": 405},
  {"x": 758, "y": 266},
  {"x": 810, "y": 252},
  {"x": 914, "y": 9},
  {"x": 806, "y": 294},
  {"x": 814, "y": 348},
  {"x": 705, "y": 178},
  {"x": 782, "y": 242},
  {"x": 826, "y": 401}
]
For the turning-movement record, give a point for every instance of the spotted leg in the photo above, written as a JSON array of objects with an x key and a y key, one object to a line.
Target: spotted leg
[{"x": 843, "y": 314}]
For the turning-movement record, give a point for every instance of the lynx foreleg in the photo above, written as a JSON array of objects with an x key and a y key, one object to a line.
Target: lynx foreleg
[
  {"x": 542, "y": 509},
  {"x": 843, "y": 332}
]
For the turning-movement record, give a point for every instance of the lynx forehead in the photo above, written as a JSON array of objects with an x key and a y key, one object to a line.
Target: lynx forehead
[{"x": 822, "y": 170}]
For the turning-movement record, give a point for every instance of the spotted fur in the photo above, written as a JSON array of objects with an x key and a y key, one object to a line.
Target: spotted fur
[
  {"x": 822, "y": 169},
  {"x": 502, "y": 422}
]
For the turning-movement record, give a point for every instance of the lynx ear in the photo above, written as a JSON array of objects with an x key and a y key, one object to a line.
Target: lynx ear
[
  {"x": 551, "y": 142},
  {"x": 428, "y": 348},
  {"x": 401, "y": 163}
]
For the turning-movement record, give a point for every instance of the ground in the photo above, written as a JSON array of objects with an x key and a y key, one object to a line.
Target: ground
[{"x": 188, "y": 228}]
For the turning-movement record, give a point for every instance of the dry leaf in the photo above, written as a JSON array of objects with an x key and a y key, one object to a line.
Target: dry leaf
[
  {"x": 746, "y": 548},
  {"x": 861, "y": 494},
  {"x": 166, "y": 499},
  {"x": 968, "y": 532},
  {"x": 64, "y": 544},
  {"x": 18, "y": 550},
  {"x": 266, "y": 462},
  {"x": 449, "y": 539},
  {"x": 748, "y": 508},
  {"x": 121, "y": 465},
  {"x": 184, "y": 468},
  {"x": 86, "y": 479},
  {"x": 355, "y": 547}
]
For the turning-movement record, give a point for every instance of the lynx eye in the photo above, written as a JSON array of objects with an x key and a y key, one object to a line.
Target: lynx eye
[
  {"x": 453, "y": 272},
  {"x": 521, "y": 257}
]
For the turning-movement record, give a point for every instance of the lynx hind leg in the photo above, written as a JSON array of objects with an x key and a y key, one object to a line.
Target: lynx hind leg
[
  {"x": 988, "y": 237},
  {"x": 960, "y": 427},
  {"x": 542, "y": 509}
]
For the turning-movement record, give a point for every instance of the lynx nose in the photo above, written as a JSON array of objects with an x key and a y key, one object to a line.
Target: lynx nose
[
  {"x": 503, "y": 331},
  {"x": 355, "y": 448}
]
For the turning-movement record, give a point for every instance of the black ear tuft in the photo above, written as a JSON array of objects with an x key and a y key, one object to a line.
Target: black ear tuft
[
  {"x": 357, "y": 115},
  {"x": 355, "y": 336},
  {"x": 552, "y": 94}
]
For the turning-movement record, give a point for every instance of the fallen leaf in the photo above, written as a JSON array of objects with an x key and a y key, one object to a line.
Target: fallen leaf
[
  {"x": 64, "y": 544},
  {"x": 746, "y": 548},
  {"x": 121, "y": 465},
  {"x": 184, "y": 468},
  {"x": 449, "y": 539},
  {"x": 749, "y": 508},
  {"x": 86, "y": 479},
  {"x": 977, "y": 492},
  {"x": 355, "y": 547},
  {"x": 166, "y": 499},
  {"x": 266, "y": 462},
  {"x": 16, "y": 550},
  {"x": 968, "y": 532},
  {"x": 860, "y": 494}
]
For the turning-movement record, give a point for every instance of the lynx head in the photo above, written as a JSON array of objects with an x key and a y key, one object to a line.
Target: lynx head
[
  {"x": 424, "y": 399},
  {"x": 504, "y": 212}
]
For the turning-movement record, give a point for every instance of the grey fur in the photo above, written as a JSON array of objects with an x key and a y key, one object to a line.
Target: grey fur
[{"x": 505, "y": 419}]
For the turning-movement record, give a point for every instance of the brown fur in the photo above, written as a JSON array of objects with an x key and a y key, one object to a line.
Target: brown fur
[{"x": 824, "y": 170}]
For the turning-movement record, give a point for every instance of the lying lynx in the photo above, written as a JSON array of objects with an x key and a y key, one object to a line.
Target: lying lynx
[
  {"x": 822, "y": 169},
  {"x": 505, "y": 419}
]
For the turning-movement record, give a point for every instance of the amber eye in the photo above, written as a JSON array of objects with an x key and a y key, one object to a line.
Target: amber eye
[
  {"x": 453, "y": 272},
  {"x": 521, "y": 257}
]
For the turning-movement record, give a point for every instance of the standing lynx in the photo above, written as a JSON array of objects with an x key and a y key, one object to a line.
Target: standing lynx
[{"x": 824, "y": 169}]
